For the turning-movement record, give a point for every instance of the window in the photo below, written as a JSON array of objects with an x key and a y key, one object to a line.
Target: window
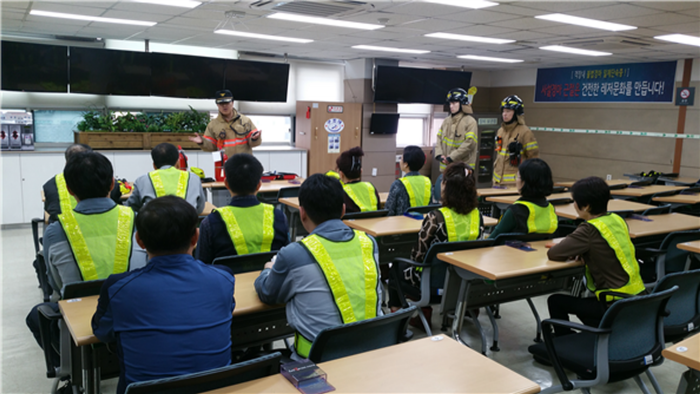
[
  {"x": 275, "y": 129},
  {"x": 411, "y": 131},
  {"x": 437, "y": 122},
  {"x": 56, "y": 126}
]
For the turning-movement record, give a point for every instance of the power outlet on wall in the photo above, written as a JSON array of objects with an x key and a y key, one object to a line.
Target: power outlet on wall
[
  {"x": 374, "y": 172},
  {"x": 608, "y": 177}
]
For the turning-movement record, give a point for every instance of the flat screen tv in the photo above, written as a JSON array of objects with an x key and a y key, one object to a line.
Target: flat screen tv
[
  {"x": 384, "y": 124},
  {"x": 186, "y": 76},
  {"x": 34, "y": 67},
  {"x": 416, "y": 85},
  {"x": 110, "y": 72},
  {"x": 257, "y": 81}
]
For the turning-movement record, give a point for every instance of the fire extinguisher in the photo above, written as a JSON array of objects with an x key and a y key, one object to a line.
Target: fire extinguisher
[
  {"x": 219, "y": 172},
  {"x": 182, "y": 160}
]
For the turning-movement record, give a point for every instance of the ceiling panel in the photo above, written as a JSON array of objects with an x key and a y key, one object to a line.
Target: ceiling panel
[
  {"x": 68, "y": 9},
  {"x": 659, "y": 19},
  {"x": 423, "y": 9},
  {"x": 479, "y": 16},
  {"x": 615, "y": 11},
  {"x": 150, "y": 8},
  {"x": 14, "y": 5},
  {"x": 523, "y": 23},
  {"x": 563, "y": 6},
  {"x": 671, "y": 5},
  {"x": 136, "y": 16}
]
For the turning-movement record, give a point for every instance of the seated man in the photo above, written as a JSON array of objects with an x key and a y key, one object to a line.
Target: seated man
[
  {"x": 167, "y": 179},
  {"x": 173, "y": 316},
  {"x": 245, "y": 225},
  {"x": 300, "y": 275},
  {"x": 413, "y": 190}
]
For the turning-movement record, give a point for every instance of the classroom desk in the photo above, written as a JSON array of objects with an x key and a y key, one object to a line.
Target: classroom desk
[
  {"x": 680, "y": 199},
  {"x": 662, "y": 224},
  {"x": 490, "y": 191},
  {"x": 428, "y": 365},
  {"x": 686, "y": 352},
  {"x": 680, "y": 181},
  {"x": 220, "y": 196},
  {"x": 611, "y": 183},
  {"x": 556, "y": 197},
  {"x": 645, "y": 190},
  {"x": 568, "y": 211},
  {"x": 693, "y": 246}
]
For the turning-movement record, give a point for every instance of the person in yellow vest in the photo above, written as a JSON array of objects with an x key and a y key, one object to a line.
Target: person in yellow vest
[
  {"x": 603, "y": 242},
  {"x": 532, "y": 213},
  {"x": 329, "y": 278},
  {"x": 459, "y": 219},
  {"x": 413, "y": 190},
  {"x": 167, "y": 179},
  {"x": 359, "y": 196},
  {"x": 245, "y": 225},
  {"x": 514, "y": 141}
]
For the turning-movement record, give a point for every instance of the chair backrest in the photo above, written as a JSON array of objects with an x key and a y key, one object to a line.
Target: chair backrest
[
  {"x": 82, "y": 289},
  {"x": 438, "y": 268},
  {"x": 661, "y": 209},
  {"x": 424, "y": 209},
  {"x": 362, "y": 336},
  {"x": 366, "y": 215},
  {"x": 675, "y": 258},
  {"x": 558, "y": 189},
  {"x": 684, "y": 305},
  {"x": 286, "y": 192},
  {"x": 246, "y": 262},
  {"x": 212, "y": 379},
  {"x": 531, "y": 237}
]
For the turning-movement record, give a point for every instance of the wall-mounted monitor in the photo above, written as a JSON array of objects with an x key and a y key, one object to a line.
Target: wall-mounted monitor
[
  {"x": 186, "y": 76},
  {"x": 34, "y": 67},
  {"x": 110, "y": 72},
  {"x": 384, "y": 124},
  {"x": 416, "y": 85},
  {"x": 257, "y": 81}
]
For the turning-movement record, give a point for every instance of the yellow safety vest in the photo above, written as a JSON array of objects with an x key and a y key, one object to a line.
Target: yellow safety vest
[
  {"x": 614, "y": 230},
  {"x": 65, "y": 200},
  {"x": 363, "y": 194},
  {"x": 418, "y": 189},
  {"x": 540, "y": 220},
  {"x": 170, "y": 182},
  {"x": 461, "y": 227},
  {"x": 101, "y": 243},
  {"x": 256, "y": 230},
  {"x": 351, "y": 273},
  {"x": 335, "y": 175}
]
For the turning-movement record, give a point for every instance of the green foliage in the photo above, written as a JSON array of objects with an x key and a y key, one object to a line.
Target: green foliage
[{"x": 175, "y": 122}]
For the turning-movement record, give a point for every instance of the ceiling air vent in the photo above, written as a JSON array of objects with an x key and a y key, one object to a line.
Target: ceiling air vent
[{"x": 311, "y": 8}]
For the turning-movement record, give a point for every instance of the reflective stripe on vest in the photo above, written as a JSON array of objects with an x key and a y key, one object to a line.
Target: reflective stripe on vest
[
  {"x": 107, "y": 248},
  {"x": 302, "y": 345},
  {"x": 461, "y": 227},
  {"x": 418, "y": 189},
  {"x": 65, "y": 200},
  {"x": 540, "y": 220},
  {"x": 170, "y": 182},
  {"x": 256, "y": 230},
  {"x": 614, "y": 230},
  {"x": 362, "y": 194}
]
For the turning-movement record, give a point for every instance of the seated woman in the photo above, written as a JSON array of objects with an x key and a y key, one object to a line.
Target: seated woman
[
  {"x": 359, "y": 196},
  {"x": 457, "y": 220},
  {"x": 532, "y": 213},
  {"x": 603, "y": 243}
]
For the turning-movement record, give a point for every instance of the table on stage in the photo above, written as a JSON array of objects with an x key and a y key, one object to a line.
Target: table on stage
[
  {"x": 508, "y": 200},
  {"x": 611, "y": 182},
  {"x": 428, "y": 365},
  {"x": 662, "y": 224},
  {"x": 686, "y": 352},
  {"x": 567, "y": 210},
  {"x": 693, "y": 246},
  {"x": 644, "y": 191}
]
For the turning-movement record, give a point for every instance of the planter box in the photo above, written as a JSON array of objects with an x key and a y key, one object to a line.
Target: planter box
[{"x": 125, "y": 140}]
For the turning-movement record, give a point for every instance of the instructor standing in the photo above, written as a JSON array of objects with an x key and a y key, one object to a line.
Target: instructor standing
[{"x": 230, "y": 131}]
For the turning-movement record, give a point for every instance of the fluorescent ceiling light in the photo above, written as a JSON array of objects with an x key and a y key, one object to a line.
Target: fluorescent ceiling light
[
  {"x": 680, "y": 39},
  {"x": 474, "y": 4},
  {"x": 262, "y": 36},
  {"x": 490, "y": 59},
  {"x": 91, "y": 18},
  {"x": 461, "y": 37},
  {"x": 323, "y": 21},
  {"x": 585, "y": 22},
  {"x": 576, "y": 51},
  {"x": 174, "y": 3},
  {"x": 387, "y": 49}
]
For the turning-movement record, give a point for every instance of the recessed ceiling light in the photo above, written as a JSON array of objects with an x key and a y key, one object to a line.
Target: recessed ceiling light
[
  {"x": 461, "y": 37},
  {"x": 324, "y": 21},
  {"x": 173, "y": 3},
  {"x": 91, "y": 18},
  {"x": 576, "y": 51},
  {"x": 388, "y": 49},
  {"x": 680, "y": 39},
  {"x": 262, "y": 36},
  {"x": 474, "y": 4},
  {"x": 585, "y": 22},
  {"x": 490, "y": 59}
]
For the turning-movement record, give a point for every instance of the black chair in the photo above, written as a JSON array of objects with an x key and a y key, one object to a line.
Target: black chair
[
  {"x": 684, "y": 305},
  {"x": 667, "y": 258},
  {"x": 424, "y": 209},
  {"x": 628, "y": 340},
  {"x": 366, "y": 215},
  {"x": 645, "y": 182},
  {"x": 558, "y": 189},
  {"x": 661, "y": 209},
  {"x": 212, "y": 379},
  {"x": 245, "y": 263},
  {"x": 360, "y": 337}
]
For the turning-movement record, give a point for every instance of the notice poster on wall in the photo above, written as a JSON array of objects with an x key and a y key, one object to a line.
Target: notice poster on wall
[{"x": 620, "y": 83}]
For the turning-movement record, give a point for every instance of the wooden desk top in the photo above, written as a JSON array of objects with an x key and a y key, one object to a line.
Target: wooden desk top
[
  {"x": 645, "y": 190},
  {"x": 420, "y": 366},
  {"x": 568, "y": 211},
  {"x": 680, "y": 199},
  {"x": 612, "y": 182},
  {"x": 293, "y": 202},
  {"x": 501, "y": 262},
  {"x": 693, "y": 246},
  {"x": 513, "y": 199},
  {"x": 684, "y": 181},
  {"x": 78, "y": 311},
  {"x": 395, "y": 225},
  {"x": 490, "y": 191},
  {"x": 662, "y": 224},
  {"x": 690, "y": 354},
  {"x": 267, "y": 187}
]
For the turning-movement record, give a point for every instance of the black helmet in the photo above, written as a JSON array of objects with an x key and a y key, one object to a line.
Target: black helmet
[
  {"x": 458, "y": 94},
  {"x": 515, "y": 103}
]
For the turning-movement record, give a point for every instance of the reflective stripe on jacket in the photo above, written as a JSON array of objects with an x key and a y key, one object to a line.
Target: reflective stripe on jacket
[
  {"x": 170, "y": 182},
  {"x": 458, "y": 138},
  {"x": 251, "y": 228},
  {"x": 503, "y": 171},
  {"x": 540, "y": 220},
  {"x": 418, "y": 189}
]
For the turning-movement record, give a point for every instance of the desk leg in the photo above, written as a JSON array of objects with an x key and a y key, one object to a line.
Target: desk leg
[
  {"x": 460, "y": 311},
  {"x": 690, "y": 382},
  {"x": 91, "y": 371}
]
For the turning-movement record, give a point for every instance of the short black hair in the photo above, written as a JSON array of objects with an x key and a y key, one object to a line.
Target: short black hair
[
  {"x": 75, "y": 148},
  {"x": 592, "y": 192},
  {"x": 321, "y": 196},
  {"x": 350, "y": 162},
  {"x": 166, "y": 225},
  {"x": 88, "y": 175},
  {"x": 537, "y": 176},
  {"x": 243, "y": 173},
  {"x": 165, "y": 154},
  {"x": 414, "y": 157}
]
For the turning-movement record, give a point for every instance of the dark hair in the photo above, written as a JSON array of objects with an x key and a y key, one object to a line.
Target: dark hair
[
  {"x": 350, "y": 162},
  {"x": 537, "y": 176},
  {"x": 460, "y": 188},
  {"x": 592, "y": 192},
  {"x": 165, "y": 154},
  {"x": 88, "y": 175},
  {"x": 75, "y": 148},
  {"x": 321, "y": 196},
  {"x": 243, "y": 173},
  {"x": 414, "y": 157},
  {"x": 167, "y": 224}
]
